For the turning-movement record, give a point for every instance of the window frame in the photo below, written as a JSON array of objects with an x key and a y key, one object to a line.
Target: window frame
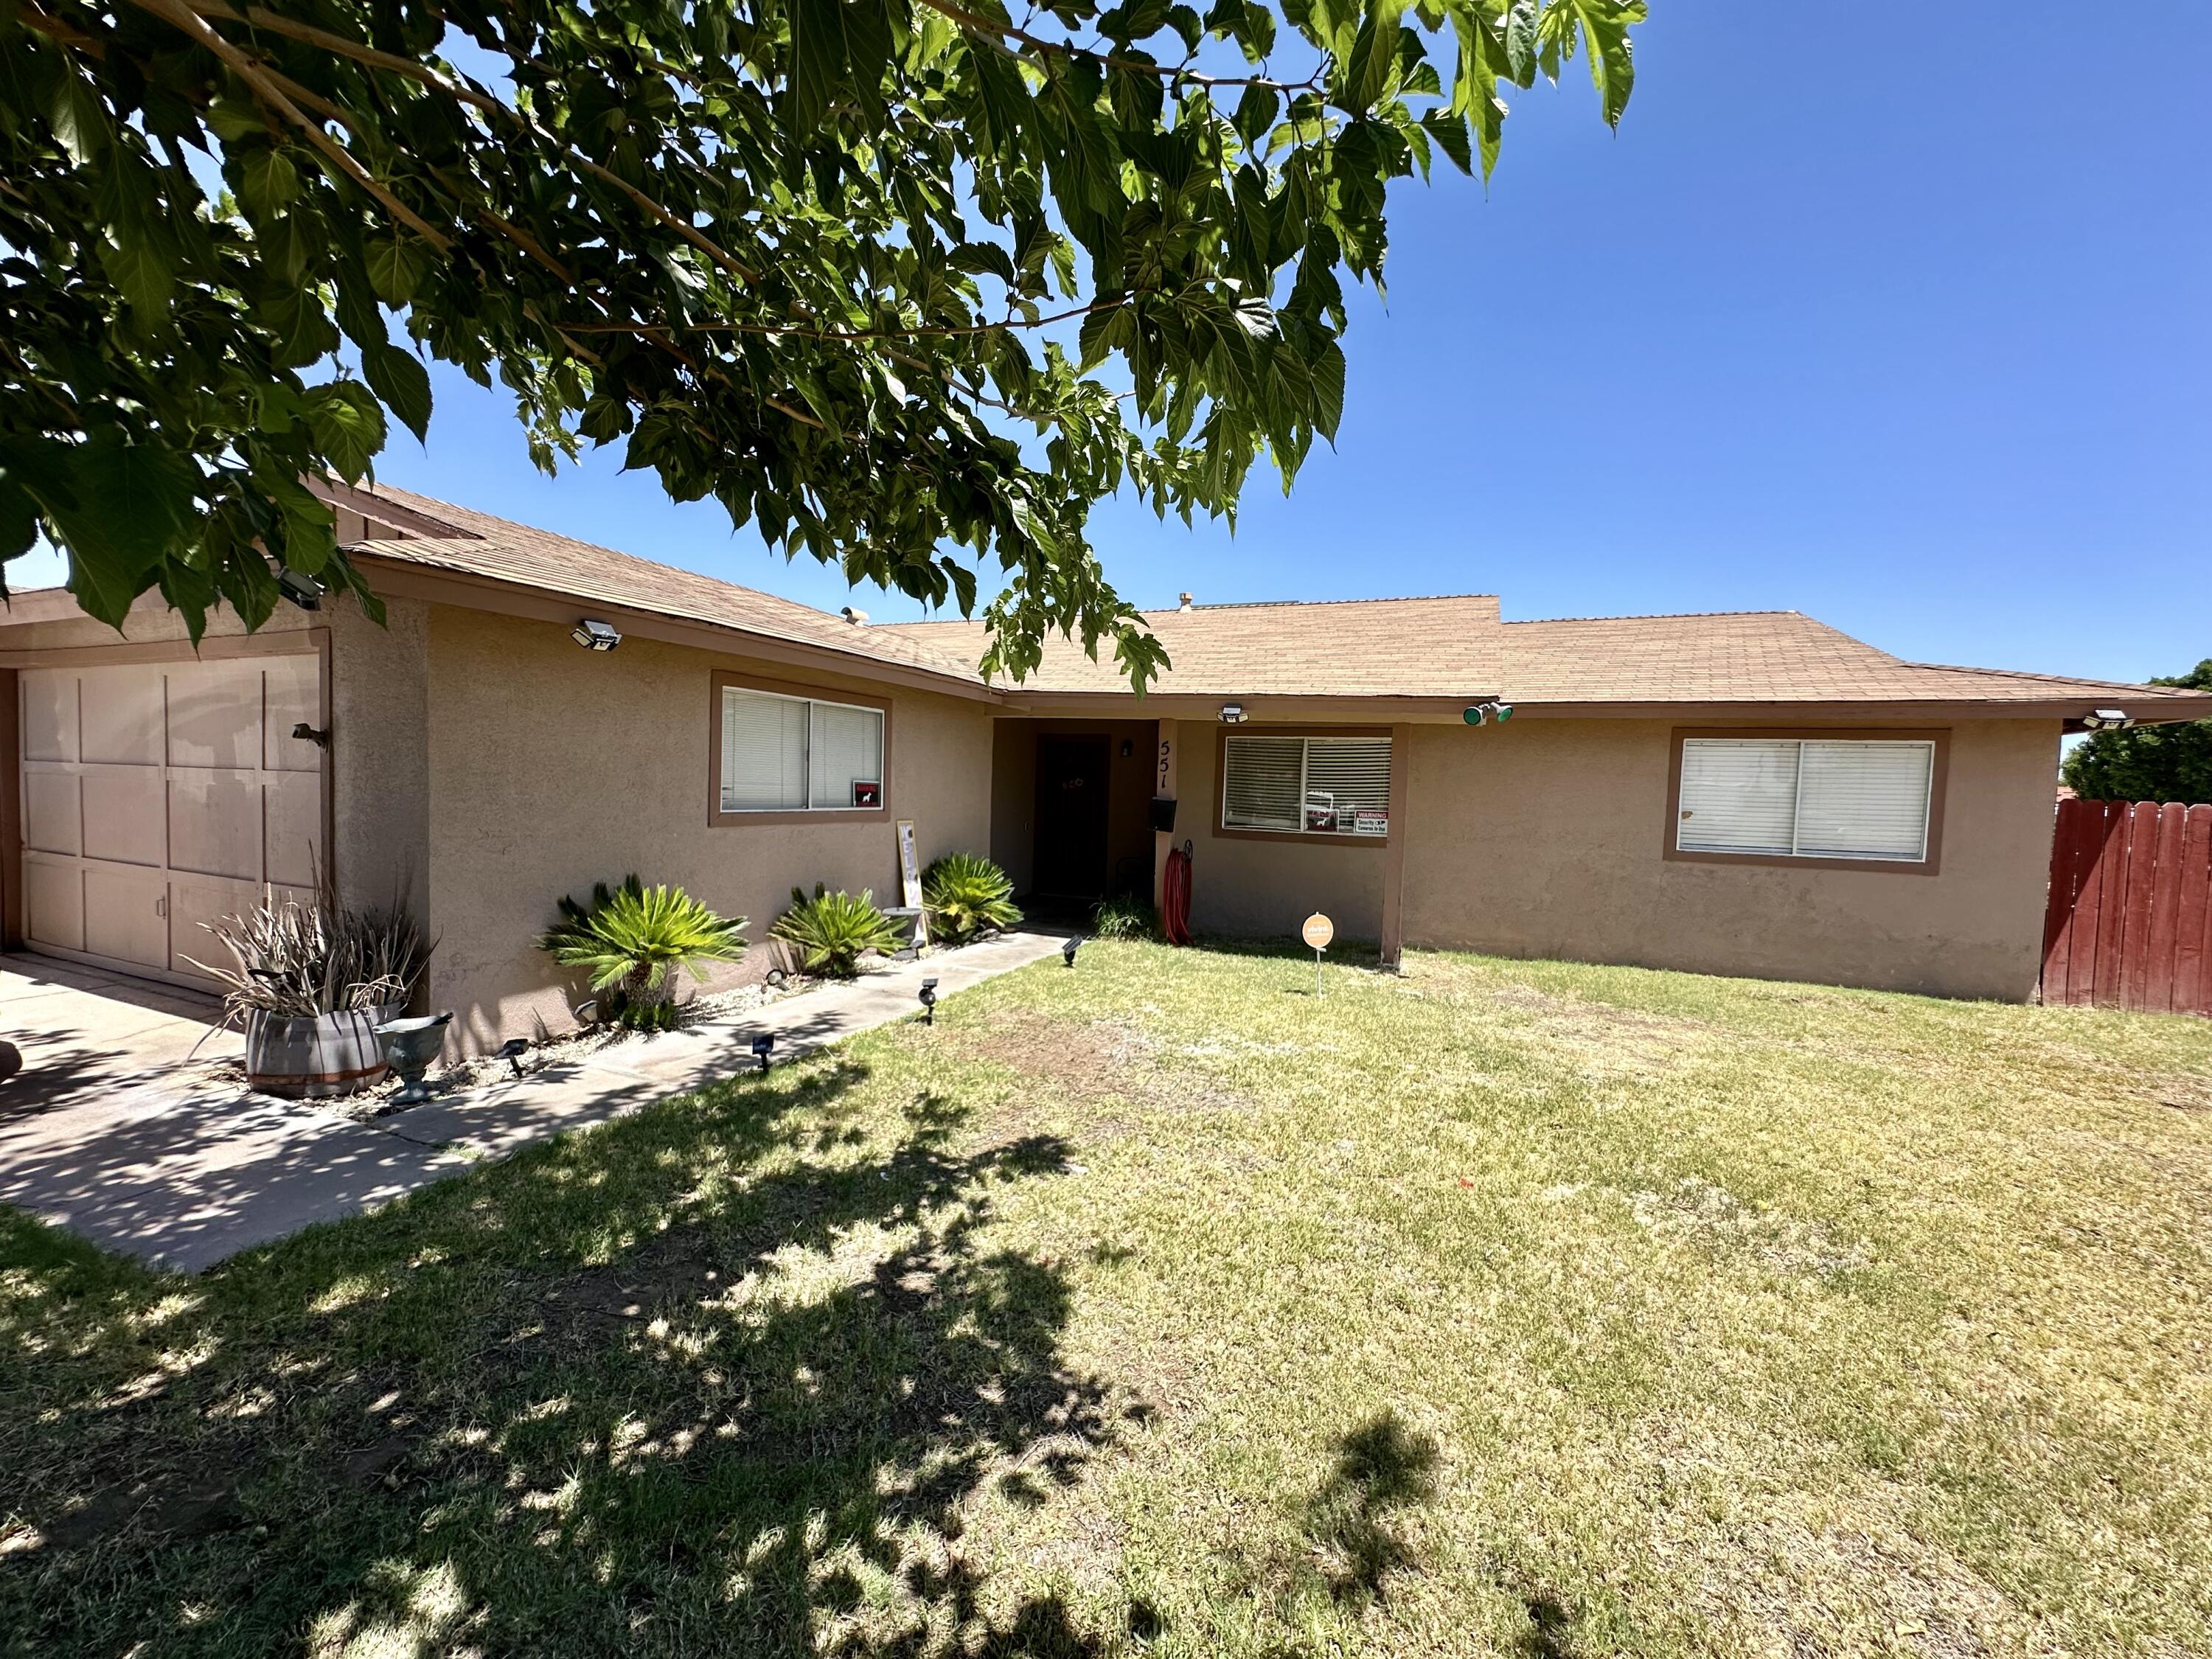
[
  {"x": 1220, "y": 831},
  {"x": 721, "y": 680},
  {"x": 1939, "y": 766}
]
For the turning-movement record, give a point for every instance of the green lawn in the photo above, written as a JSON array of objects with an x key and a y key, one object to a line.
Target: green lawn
[{"x": 1504, "y": 1308}]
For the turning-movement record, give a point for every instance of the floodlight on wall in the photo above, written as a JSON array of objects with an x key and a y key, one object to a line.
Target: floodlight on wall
[
  {"x": 318, "y": 735},
  {"x": 1485, "y": 714},
  {"x": 299, "y": 587},
  {"x": 928, "y": 994},
  {"x": 595, "y": 635},
  {"x": 1232, "y": 714},
  {"x": 763, "y": 1046},
  {"x": 2103, "y": 719}
]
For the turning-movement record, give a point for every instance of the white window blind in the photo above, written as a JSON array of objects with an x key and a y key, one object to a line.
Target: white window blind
[
  {"x": 1349, "y": 778},
  {"x": 1806, "y": 797},
  {"x": 1261, "y": 790},
  {"x": 847, "y": 748},
  {"x": 1319, "y": 786},
  {"x": 1864, "y": 800},
  {"x": 773, "y": 746}
]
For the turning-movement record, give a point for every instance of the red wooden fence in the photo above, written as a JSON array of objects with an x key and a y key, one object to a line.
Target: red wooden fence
[{"x": 2129, "y": 922}]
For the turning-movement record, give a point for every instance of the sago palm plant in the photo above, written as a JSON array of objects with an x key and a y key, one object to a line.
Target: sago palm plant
[
  {"x": 965, "y": 894},
  {"x": 831, "y": 932},
  {"x": 631, "y": 941}
]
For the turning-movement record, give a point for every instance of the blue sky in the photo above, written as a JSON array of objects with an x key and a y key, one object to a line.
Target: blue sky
[{"x": 1904, "y": 327}]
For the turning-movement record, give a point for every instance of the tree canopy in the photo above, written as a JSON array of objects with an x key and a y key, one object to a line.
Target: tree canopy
[
  {"x": 2148, "y": 762},
  {"x": 909, "y": 285}
]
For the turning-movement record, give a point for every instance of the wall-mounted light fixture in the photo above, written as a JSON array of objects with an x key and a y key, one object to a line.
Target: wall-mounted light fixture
[
  {"x": 2102, "y": 720},
  {"x": 1232, "y": 714},
  {"x": 1487, "y": 713},
  {"x": 595, "y": 635},
  {"x": 299, "y": 587},
  {"x": 319, "y": 736}
]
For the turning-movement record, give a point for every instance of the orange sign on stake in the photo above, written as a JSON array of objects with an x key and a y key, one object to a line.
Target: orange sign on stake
[{"x": 1317, "y": 933}]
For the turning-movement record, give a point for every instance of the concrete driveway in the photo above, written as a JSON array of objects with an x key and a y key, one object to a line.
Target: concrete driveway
[{"x": 115, "y": 1129}]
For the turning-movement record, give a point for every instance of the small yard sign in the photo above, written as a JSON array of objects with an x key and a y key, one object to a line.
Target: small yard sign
[
  {"x": 1317, "y": 933},
  {"x": 909, "y": 866}
]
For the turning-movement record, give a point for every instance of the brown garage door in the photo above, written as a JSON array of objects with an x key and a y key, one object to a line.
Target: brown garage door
[{"x": 157, "y": 796}]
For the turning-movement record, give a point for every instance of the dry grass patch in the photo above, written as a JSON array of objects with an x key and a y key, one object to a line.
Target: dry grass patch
[{"x": 1511, "y": 1309}]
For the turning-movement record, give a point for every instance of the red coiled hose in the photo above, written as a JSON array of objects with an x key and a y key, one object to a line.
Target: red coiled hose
[{"x": 1174, "y": 911}]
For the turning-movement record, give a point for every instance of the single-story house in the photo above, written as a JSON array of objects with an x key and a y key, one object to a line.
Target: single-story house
[{"x": 1751, "y": 793}]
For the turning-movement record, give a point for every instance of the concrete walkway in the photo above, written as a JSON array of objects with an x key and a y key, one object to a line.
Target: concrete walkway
[{"x": 109, "y": 1132}]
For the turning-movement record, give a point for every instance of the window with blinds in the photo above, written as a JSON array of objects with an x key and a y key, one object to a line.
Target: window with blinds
[
  {"x": 1307, "y": 786},
  {"x": 796, "y": 754},
  {"x": 1806, "y": 797}
]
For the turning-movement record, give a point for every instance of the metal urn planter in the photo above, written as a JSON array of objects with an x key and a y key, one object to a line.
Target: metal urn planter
[
  {"x": 411, "y": 1045},
  {"x": 315, "y": 1058}
]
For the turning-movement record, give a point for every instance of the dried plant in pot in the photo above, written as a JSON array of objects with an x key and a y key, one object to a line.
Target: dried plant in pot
[{"x": 308, "y": 982}]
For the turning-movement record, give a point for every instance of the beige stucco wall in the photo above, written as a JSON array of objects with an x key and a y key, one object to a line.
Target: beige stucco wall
[
  {"x": 1543, "y": 838},
  {"x": 552, "y": 768},
  {"x": 1246, "y": 889}
]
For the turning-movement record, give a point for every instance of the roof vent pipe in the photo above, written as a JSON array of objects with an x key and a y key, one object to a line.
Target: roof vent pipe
[
  {"x": 1185, "y": 601},
  {"x": 857, "y": 619}
]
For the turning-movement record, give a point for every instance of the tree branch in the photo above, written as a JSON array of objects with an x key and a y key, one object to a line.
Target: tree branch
[
  {"x": 250, "y": 70},
  {"x": 262, "y": 18},
  {"x": 918, "y": 331},
  {"x": 997, "y": 34}
]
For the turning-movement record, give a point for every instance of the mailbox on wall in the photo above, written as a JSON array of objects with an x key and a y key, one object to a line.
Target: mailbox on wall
[{"x": 1164, "y": 809}]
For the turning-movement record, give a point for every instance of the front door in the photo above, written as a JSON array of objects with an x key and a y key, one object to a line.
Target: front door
[{"x": 1071, "y": 817}]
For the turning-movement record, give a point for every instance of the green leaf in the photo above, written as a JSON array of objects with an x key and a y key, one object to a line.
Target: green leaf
[
  {"x": 1255, "y": 113},
  {"x": 1329, "y": 390},
  {"x": 18, "y": 521},
  {"x": 136, "y": 266},
  {"x": 348, "y": 426},
  {"x": 1374, "y": 54},
  {"x": 1449, "y": 131},
  {"x": 234, "y": 120},
  {"x": 401, "y": 381},
  {"x": 77, "y": 117},
  {"x": 396, "y": 264},
  {"x": 267, "y": 181},
  {"x": 299, "y": 331},
  {"x": 119, "y": 509},
  {"x": 1521, "y": 31},
  {"x": 836, "y": 50},
  {"x": 1612, "y": 65}
]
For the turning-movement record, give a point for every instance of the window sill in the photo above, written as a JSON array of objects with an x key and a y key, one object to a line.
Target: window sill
[
  {"x": 1926, "y": 866},
  {"x": 1301, "y": 837},
  {"x": 718, "y": 819}
]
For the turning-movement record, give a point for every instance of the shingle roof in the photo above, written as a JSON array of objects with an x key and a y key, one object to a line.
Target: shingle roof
[
  {"x": 1756, "y": 656},
  {"x": 1453, "y": 646},
  {"x": 499, "y": 547},
  {"x": 1444, "y": 647}
]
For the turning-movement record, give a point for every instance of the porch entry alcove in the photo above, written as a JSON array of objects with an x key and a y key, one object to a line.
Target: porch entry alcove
[{"x": 1071, "y": 804}]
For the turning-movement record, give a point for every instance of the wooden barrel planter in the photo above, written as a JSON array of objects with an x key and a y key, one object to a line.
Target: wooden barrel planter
[{"x": 302, "y": 1059}]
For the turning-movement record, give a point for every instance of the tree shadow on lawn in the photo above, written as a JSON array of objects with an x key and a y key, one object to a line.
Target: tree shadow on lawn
[
  {"x": 1382, "y": 1467},
  {"x": 629, "y": 1392}
]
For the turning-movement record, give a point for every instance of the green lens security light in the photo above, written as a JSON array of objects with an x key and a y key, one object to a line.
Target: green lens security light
[{"x": 1482, "y": 714}]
